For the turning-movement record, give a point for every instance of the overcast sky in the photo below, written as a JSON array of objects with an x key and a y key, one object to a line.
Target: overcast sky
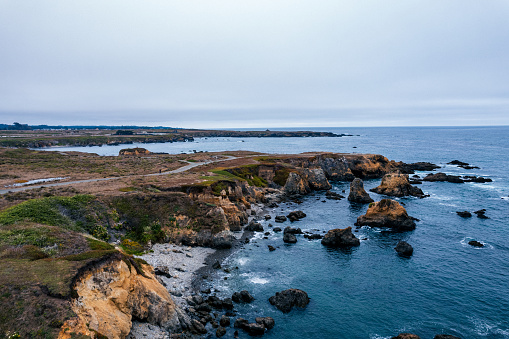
[{"x": 255, "y": 63}]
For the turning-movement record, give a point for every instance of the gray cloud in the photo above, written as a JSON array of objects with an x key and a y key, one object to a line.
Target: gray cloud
[{"x": 255, "y": 63}]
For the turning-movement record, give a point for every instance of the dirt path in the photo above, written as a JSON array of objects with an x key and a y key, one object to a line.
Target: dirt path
[{"x": 178, "y": 170}]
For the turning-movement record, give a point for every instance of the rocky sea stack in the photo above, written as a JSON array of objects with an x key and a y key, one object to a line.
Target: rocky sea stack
[
  {"x": 387, "y": 213},
  {"x": 397, "y": 185},
  {"x": 340, "y": 238},
  {"x": 357, "y": 192}
]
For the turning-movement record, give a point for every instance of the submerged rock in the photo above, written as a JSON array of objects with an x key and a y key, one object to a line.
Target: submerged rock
[
  {"x": 357, "y": 192},
  {"x": 397, "y": 185},
  {"x": 287, "y": 299},
  {"x": 464, "y": 214},
  {"x": 387, "y": 213},
  {"x": 333, "y": 195},
  {"x": 340, "y": 238},
  {"x": 481, "y": 214},
  {"x": 404, "y": 249}
]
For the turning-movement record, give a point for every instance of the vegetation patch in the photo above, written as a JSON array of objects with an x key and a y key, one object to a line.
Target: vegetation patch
[{"x": 77, "y": 213}]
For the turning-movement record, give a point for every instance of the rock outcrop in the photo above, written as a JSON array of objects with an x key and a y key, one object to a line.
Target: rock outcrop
[
  {"x": 111, "y": 293},
  {"x": 316, "y": 179},
  {"x": 287, "y": 299},
  {"x": 357, "y": 192},
  {"x": 440, "y": 176},
  {"x": 387, "y": 213},
  {"x": 296, "y": 185},
  {"x": 340, "y": 238},
  {"x": 134, "y": 151},
  {"x": 404, "y": 249},
  {"x": 397, "y": 185},
  {"x": 296, "y": 215}
]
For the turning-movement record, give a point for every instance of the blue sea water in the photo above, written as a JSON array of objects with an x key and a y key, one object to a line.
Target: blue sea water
[{"x": 447, "y": 286}]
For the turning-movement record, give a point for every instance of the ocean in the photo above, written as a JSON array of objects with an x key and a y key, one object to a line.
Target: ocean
[{"x": 446, "y": 287}]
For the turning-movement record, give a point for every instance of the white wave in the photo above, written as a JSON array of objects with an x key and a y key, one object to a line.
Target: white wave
[
  {"x": 255, "y": 279},
  {"x": 242, "y": 261},
  {"x": 486, "y": 329}
]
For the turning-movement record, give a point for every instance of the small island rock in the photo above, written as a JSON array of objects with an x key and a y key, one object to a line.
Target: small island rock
[
  {"x": 404, "y": 249},
  {"x": 340, "y": 238},
  {"x": 387, "y": 213},
  {"x": 357, "y": 192},
  {"x": 287, "y": 299},
  {"x": 397, "y": 185}
]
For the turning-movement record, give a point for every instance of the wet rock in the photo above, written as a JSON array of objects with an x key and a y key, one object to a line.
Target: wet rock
[
  {"x": 197, "y": 299},
  {"x": 287, "y": 299},
  {"x": 340, "y": 238},
  {"x": 280, "y": 218},
  {"x": 404, "y": 249},
  {"x": 214, "y": 324},
  {"x": 416, "y": 166},
  {"x": 227, "y": 304},
  {"x": 443, "y": 177},
  {"x": 254, "y": 329},
  {"x": 406, "y": 336},
  {"x": 216, "y": 265},
  {"x": 162, "y": 270},
  {"x": 467, "y": 178},
  {"x": 221, "y": 331},
  {"x": 464, "y": 214},
  {"x": 475, "y": 243},
  {"x": 206, "y": 291},
  {"x": 387, "y": 213},
  {"x": 292, "y": 230},
  {"x": 254, "y": 227},
  {"x": 242, "y": 296},
  {"x": 296, "y": 215},
  {"x": 267, "y": 217},
  {"x": 289, "y": 238},
  {"x": 271, "y": 248},
  {"x": 462, "y": 164},
  {"x": 198, "y": 326},
  {"x": 266, "y": 233},
  {"x": 240, "y": 323},
  {"x": 266, "y": 322},
  {"x": 224, "y": 321},
  {"x": 481, "y": 214},
  {"x": 397, "y": 185},
  {"x": 204, "y": 307},
  {"x": 313, "y": 236},
  {"x": 357, "y": 192},
  {"x": 277, "y": 229},
  {"x": 333, "y": 195},
  {"x": 445, "y": 336}
]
